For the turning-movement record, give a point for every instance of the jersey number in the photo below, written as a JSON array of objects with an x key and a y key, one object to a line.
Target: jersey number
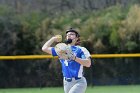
[{"x": 66, "y": 62}]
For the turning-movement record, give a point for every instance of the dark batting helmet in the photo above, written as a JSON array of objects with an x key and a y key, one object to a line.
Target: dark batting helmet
[{"x": 72, "y": 30}]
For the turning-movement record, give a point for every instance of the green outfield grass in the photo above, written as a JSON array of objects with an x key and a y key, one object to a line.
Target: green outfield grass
[{"x": 95, "y": 89}]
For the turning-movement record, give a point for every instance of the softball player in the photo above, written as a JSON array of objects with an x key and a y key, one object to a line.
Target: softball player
[{"x": 74, "y": 81}]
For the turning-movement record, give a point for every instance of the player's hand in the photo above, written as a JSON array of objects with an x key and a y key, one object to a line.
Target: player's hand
[
  {"x": 70, "y": 54},
  {"x": 64, "y": 51},
  {"x": 67, "y": 56},
  {"x": 58, "y": 38}
]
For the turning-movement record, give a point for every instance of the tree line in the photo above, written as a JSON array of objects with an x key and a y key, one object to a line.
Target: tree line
[{"x": 57, "y": 7}]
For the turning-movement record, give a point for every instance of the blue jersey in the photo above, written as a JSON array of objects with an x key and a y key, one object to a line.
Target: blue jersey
[{"x": 71, "y": 68}]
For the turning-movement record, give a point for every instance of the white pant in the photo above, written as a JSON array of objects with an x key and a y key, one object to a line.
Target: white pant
[{"x": 75, "y": 86}]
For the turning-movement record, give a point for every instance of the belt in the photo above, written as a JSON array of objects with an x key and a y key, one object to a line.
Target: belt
[{"x": 70, "y": 79}]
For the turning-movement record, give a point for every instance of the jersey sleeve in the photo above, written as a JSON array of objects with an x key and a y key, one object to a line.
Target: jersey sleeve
[
  {"x": 86, "y": 52},
  {"x": 53, "y": 52}
]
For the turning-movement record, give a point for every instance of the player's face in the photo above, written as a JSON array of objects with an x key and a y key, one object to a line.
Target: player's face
[{"x": 71, "y": 35}]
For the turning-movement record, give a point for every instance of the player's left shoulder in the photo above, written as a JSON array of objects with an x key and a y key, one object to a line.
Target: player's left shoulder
[{"x": 83, "y": 49}]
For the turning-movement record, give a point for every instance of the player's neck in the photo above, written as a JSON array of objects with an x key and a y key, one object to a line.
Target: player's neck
[{"x": 71, "y": 44}]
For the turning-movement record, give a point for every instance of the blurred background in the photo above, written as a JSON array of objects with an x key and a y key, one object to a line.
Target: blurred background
[{"x": 106, "y": 27}]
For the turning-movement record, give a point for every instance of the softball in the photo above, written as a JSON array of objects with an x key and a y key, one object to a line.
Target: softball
[{"x": 59, "y": 38}]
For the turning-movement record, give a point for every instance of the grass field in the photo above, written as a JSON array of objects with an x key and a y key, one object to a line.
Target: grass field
[{"x": 95, "y": 89}]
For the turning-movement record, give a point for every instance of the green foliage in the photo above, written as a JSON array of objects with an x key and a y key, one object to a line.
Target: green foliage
[
  {"x": 130, "y": 30},
  {"x": 6, "y": 11},
  {"x": 131, "y": 45},
  {"x": 114, "y": 39},
  {"x": 31, "y": 21}
]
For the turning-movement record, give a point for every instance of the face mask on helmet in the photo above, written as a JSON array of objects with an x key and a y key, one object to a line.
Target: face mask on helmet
[{"x": 68, "y": 41}]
